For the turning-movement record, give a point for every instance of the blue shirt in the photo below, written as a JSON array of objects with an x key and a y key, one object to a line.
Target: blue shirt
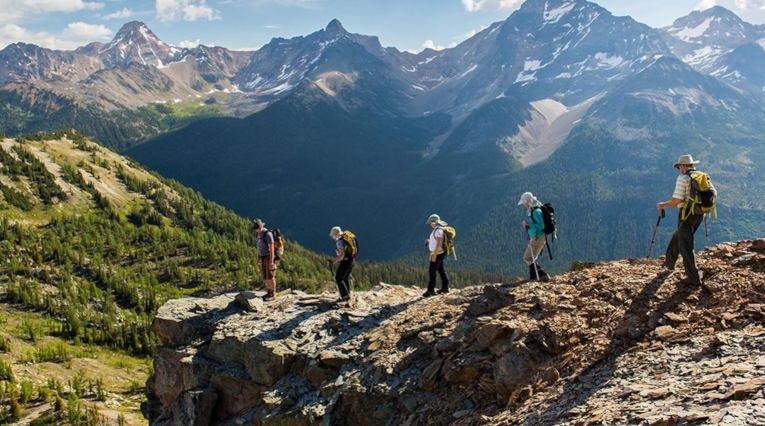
[{"x": 536, "y": 223}]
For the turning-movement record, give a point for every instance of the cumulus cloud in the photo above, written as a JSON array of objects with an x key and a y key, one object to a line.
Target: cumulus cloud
[
  {"x": 13, "y": 10},
  {"x": 83, "y": 31},
  {"x": 430, "y": 44},
  {"x": 120, "y": 14},
  {"x": 49, "y": 6},
  {"x": 734, "y": 5},
  {"x": 188, "y": 44},
  {"x": 188, "y": 10},
  {"x": 500, "y": 5},
  {"x": 12, "y": 33}
]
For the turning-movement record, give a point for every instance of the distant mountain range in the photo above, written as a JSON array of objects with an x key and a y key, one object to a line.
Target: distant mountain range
[{"x": 587, "y": 109}]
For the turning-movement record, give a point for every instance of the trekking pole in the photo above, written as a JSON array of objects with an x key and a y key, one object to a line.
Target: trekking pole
[
  {"x": 531, "y": 250},
  {"x": 655, "y": 230},
  {"x": 706, "y": 230}
]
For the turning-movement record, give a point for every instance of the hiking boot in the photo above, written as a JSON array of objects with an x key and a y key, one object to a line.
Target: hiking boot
[
  {"x": 544, "y": 278},
  {"x": 443, "y": 291},
  {"x": 532, "y": 273},
  {"x": 269, "y": 296},
  {"x": 345, "y": 298},
  {"x": 429, "y": 293}
]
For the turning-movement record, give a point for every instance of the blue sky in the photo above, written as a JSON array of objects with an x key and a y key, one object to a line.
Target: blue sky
[{"x": 249, "y": 24}]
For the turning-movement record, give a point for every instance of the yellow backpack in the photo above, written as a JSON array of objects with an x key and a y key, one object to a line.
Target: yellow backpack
[
  {"x": 449, "y": 234},
  {"x": 350, "y": 244},
  {"x": 702, "y": 199}
]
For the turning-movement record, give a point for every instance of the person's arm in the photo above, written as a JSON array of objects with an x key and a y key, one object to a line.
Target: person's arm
[
  {"x": 678, "y": 197},
  {"x": 270, "y": 242},
  {"x": 340, "y": 251}
]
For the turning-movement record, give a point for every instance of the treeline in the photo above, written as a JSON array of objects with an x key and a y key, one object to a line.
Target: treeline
[
  {"x": 103, "y": 273},
  {"x": 22, "y": 114}
]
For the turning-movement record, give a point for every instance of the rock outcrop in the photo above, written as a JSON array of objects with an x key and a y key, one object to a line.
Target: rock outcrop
[{"x": 623, "y": 342}]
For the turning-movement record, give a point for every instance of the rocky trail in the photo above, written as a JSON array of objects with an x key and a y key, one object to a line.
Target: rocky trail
[{"x": 621, "y": 342}]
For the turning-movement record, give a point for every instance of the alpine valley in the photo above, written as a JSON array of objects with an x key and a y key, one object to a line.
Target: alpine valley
[{"x": 585, "y": 109}]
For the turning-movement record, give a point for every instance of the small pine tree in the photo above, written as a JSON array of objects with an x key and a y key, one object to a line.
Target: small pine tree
[{"x": 16, "y": 411}]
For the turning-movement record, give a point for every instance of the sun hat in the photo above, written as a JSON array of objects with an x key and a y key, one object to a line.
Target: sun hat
[
  {"x": 434, "y": 218},
  {"x": 334, "y": 232},
  {"x": 258, "y": 223},
  {"x": 685, "y": 159},
  {"x": 528, "y": 197}
]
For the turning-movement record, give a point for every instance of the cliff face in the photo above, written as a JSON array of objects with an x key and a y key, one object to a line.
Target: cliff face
[{"x": 618, "y": 342}]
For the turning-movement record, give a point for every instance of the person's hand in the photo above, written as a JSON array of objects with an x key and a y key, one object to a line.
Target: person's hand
[
  {"x": 524, "y": 223},
  {"x": 427, "y": 241},
  {"x": 433, "y": 258},
  {"x": 660, "y": 207},
  {"x": 272, "y": 266},
  {"x": 329, "y": 262}
]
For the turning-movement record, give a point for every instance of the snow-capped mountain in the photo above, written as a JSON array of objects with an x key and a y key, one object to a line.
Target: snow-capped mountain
[{"x": 707, "y": 40}]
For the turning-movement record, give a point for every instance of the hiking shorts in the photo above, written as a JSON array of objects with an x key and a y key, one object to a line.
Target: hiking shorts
[{"x": 266, "y": 273}]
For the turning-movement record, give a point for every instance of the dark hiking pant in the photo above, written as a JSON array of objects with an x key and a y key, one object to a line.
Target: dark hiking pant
[
  {"x": 681, "y": 244},
  {"x": 438, "y": 266},
  {"x": 342, "y": 276}
]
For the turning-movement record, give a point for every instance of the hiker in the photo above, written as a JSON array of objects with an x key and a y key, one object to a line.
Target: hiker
[
  {"x": 437, "y": 255},
  {"x": 688, "y": 221},
  {"x": 536, "y": 236},
  {"x": 345, "y": 258},
  {"x": 266, "y": 258}
]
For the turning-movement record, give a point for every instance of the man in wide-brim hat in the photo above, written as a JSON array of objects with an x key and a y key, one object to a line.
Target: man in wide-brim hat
[{"x": 681, "y": 243}]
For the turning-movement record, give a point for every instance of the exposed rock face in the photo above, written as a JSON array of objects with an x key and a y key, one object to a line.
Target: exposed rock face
[{"x": 612, "y": 343}]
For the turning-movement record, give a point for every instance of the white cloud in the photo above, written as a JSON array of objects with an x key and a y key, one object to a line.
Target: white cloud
[
  {"x": 189, "y": 10},
  {"x": 83, "y": 31},
  {"x": 734, "y": 5},
  {"x": 49, "y": 6},
  {"x": 500, "y": 5},
  {"x": 188, "y": 44},
  {"x": 272, "y": 27},
  {"x": 13, "y": 10},
  {"x": 430, "y": 44},
  {"x": 12, "y": 33},
  {"x": 120, "y": 14}
]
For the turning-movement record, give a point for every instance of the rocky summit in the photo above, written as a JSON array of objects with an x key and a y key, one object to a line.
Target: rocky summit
[{"x": 623, "y": 342}]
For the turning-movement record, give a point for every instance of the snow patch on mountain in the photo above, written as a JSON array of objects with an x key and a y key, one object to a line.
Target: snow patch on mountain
[
  {"x": 607, "y": 61},
  {"x": 700, "y": 58},
  {"x": 555, "y": 15},
  {"x": 529, "y": 71},
  {"x": 690, "y": 33}
]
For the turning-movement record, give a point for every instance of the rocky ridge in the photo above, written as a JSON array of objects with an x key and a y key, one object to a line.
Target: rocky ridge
[{"x": 624, "y": 342}]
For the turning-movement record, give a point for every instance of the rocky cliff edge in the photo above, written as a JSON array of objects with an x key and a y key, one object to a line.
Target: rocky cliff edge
[{"x": 622, "y": 342}]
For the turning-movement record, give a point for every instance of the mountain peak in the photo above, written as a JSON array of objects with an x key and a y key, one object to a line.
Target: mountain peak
[
  {"x": 335, "y": 27},
  {"x": 136, "y": 42}
]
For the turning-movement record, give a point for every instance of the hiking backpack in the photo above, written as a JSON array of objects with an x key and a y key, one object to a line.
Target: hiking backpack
[
  {"x": 550, "y": 226},
  {"x": 278, "y": 242},
  {"x": 548, "y": 218},
  {"x": 350, "y": 244},
  {"x": 448, "y": 243},
  {"x": 702, "y": 199}
]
